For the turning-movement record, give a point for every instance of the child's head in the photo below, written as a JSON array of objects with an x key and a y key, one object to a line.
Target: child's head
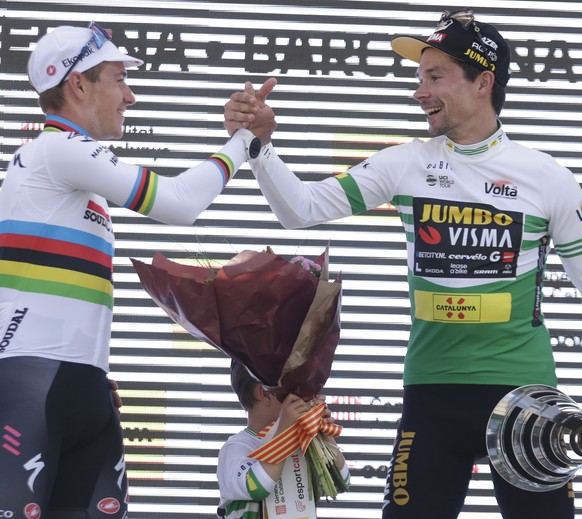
[
  {"x": 260, "y": 404},
  {"x": 243, "y": 384}
]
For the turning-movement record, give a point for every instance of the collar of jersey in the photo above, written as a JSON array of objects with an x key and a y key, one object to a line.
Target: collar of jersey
[
  {"x": 55, "y": 123},
  {"x": 479, "y": 147}
]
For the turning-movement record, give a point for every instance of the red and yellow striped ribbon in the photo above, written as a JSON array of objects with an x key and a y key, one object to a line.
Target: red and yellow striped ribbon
[{"x": 299, "y": 435}]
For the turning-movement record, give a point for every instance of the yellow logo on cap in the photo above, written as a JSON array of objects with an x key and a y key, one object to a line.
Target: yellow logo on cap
[{"x": 475, "y": 56}]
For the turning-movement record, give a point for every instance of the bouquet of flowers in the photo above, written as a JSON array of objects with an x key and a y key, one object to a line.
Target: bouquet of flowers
[{"x": 280, "y": 319}]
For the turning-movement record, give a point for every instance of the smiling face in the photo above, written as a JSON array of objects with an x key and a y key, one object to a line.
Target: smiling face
[
  {"x": 455, "y": 107},
  {"x": 106, "y": 102}
]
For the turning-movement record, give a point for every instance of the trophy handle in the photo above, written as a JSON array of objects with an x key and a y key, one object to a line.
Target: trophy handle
[{"x": 534, "y": 438}]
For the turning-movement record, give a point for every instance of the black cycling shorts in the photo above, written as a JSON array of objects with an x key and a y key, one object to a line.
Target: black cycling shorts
[
  {"x": 61, "y": 444},
  {"x": 441, "y": 435}
]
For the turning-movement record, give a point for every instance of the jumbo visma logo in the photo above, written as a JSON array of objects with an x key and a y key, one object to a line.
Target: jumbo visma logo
[
  {"x": 453, "y": 239},
  {"x": 454, "y": 214},
  {"x": 430, "y": 235},
  {"x": 467, "y": 226}
]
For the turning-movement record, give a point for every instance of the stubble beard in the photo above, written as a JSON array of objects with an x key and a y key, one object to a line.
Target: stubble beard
[{"x": 438, "y": 130}]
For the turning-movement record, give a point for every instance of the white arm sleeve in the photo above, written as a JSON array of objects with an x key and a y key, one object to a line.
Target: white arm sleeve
[
  {"x": 295, "y": 203},
  {"x": 301, "y": 204},
  {"x": 88, "y": 165},
  {"x": 564, "y": 198}
]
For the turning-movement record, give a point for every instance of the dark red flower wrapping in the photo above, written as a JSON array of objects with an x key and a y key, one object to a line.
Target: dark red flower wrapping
[{"x": 280, "y": 321}]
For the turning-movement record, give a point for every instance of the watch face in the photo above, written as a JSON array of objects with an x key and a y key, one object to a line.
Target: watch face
[{"x": 254, "y": 148}]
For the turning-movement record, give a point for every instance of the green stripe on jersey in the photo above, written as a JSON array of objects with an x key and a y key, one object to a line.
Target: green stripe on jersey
[
  {"x": 243, "y": 510},
  {"x": 254, "y": 487},
  {"x": 535, "y": 224},
  {"x": 402, "y": 200},
  {"x": 353, "y": 192},
  {"x": 569, "y": 250}
]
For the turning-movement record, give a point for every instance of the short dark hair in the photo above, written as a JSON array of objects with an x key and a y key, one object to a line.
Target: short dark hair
[
  {"x": 54, "y": 98},
  {"x": 471, "y": 73},
  {"x": 243, "y": 384}
]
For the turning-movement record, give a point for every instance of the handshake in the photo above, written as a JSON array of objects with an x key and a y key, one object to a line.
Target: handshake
[{"x": 248, "y": 109}]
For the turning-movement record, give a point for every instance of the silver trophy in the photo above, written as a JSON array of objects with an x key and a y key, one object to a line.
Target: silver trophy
[{"x": 534, "y": 438}]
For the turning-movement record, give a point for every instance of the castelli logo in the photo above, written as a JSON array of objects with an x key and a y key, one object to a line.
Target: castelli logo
[
  {"x": 32, "y": 511},
  {"x": 51, "y": 70},
  {"x": 108, "y": 505}
]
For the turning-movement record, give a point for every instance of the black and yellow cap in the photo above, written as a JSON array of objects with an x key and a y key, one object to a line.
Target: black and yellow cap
[{"x": 459, "y": 35}]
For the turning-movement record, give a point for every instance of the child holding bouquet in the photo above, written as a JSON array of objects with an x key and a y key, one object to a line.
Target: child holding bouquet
[{"x": 245, "y": 482}]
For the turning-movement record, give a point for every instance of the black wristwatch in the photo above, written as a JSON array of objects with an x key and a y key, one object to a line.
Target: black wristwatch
[{"x": 252, "y": 142}]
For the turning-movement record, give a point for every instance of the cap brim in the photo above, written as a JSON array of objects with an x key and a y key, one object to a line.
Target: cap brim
[
  {"x": 409, "y": 47},
  {"x": 130, "y": 61},
  {"x": 109, "y": 52}
]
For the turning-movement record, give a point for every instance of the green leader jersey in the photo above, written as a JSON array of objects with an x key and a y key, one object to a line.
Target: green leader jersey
[{"x": 479, "y": 223}]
